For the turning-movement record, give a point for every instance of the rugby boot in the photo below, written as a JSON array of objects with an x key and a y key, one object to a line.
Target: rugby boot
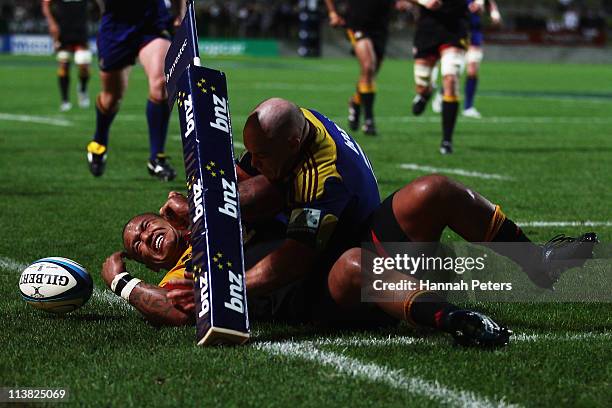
[
  {"x": 559, "y": 254},
  {"x": 96, "y": 158},
  {"x": 161, "y": 168}
]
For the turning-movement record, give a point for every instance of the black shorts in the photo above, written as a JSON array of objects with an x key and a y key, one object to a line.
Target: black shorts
[
  {"x": 377, "y": 36},
  {"x": 433, "y": 35},
  {"x": 307, "y": 300}
]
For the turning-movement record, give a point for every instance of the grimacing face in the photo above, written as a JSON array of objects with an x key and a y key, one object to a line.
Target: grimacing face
[
  {"x": 272, "y": 157},
  {"x": 150, "y": 239}
]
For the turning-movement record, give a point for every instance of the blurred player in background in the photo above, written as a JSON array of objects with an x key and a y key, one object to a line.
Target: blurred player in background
[
  {"x": 367, "y": 26},
  {"x": 129, "y": 30},
  {"x": 67, "y": 21},
  {"x": 475, "y": 53},
  {"x": 441, "y": 34},
  {"x": 473, "y": 59}
]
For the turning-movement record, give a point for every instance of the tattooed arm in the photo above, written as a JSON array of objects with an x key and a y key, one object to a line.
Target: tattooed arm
[{"x": 150, "y": 300}]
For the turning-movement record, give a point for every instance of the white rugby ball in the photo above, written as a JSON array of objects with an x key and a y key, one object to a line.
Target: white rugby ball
[{"x": 56, "y": 285}]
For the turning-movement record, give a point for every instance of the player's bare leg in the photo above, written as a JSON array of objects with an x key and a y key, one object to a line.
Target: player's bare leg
[
  {"x": 451, "y": 62},
  {"x": 63, "y": 78},
  {"x": 417, "y": 307},
  {"x": 423, "y": 68},
  {"x": 114, "y": 84},
  {"x": 474, "y": 57},
  {"x": 82, "y": 58},
  {"x": 158, "y": 112},
  {"x": 366, "y": 87},
  {"x": 429, "y": 204}
]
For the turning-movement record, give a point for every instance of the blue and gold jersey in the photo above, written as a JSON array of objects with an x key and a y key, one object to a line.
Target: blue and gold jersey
[{"x": 332, "y": 191}]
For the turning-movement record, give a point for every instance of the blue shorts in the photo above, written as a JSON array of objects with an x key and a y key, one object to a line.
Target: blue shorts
[
  {"x": 119, "y": 42},
  {"x": 476, "y": 38}
]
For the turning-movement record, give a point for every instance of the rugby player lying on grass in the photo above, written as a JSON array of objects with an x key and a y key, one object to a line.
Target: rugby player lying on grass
[{"x": 303, "y": 165}]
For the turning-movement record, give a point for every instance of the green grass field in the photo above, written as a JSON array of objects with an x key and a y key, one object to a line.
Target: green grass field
[{"x": 545, "y": 134}]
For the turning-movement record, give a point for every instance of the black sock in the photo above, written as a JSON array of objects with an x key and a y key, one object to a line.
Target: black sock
[
  {"x": 83, "y": 80},
  {"x": 64, "y": 84},
  {"x": 449, "y": 118},
  {"x": 528, "y": 255},
  {"x": 510, "y": 232},
  {"x": 430, "y": 309},
  {"x": 367, "y": 101}
]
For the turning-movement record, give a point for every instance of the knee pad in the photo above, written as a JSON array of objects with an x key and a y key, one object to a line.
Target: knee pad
[
  {"x": 474, "y": 55},
  {"x": 82, "y": 57},
  {"x": 63, "y": 56},
  {"x": 452, "y": 62},
  {"x": 422, "y": 75}
]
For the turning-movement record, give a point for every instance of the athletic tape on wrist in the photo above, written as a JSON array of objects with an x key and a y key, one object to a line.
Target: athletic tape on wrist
[
  {"x": 113, "y": 284},
  {"x": 129, "y": 287},
  {"x": 423, "y": 2}
]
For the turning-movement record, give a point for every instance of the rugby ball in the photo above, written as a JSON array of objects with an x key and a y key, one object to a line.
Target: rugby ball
[{"x": 55, "y": 285}]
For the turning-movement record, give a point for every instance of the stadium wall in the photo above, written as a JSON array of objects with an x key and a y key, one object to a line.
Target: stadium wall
[{"x": 335, "y": 44}]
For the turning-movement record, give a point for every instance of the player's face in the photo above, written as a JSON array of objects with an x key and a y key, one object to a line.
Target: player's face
[
  {"x": 153, "y": 241},
  {"x": 271, "y": 157}
]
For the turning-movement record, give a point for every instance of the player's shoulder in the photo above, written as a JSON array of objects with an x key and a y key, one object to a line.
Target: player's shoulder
[{"x": 178, "y": 271}]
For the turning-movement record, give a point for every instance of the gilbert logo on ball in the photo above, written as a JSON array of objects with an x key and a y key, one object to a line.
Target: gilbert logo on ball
[{"x": 56, "y": 285}]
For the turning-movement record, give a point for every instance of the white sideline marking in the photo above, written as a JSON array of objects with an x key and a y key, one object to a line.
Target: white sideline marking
[
  {"x": 375, "y": 373},
  {"x": 460, "y": 172},
  {"x": 565, "y": 224},
  {"x": 11, "y": 264},
  {"x": 407, "y": 341},
  {"x": 34, "y": 119},
  {"x": 103, "y": 295},
  {"x": 506, "y": 119}
]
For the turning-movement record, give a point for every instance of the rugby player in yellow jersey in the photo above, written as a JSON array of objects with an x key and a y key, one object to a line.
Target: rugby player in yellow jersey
[{"x": 313, "y": 273}]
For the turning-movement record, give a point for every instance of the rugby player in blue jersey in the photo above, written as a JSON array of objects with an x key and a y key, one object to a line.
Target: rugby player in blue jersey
[
  {"x": 474, "y": 54},
  {"x": 129, "y": 30},
  {"x": 305, "y": 166}
]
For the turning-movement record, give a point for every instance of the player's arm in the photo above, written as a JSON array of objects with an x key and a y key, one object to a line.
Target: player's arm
[
  {"x": 494, "y": 13},
  {"x": 290, "y": 262},
  {"x": 335, "y": 19},
  {"x": 258, "y": 199},
  {"x": 54, "y": 29},
  {"x": 180, "y": 6},
  {"x": 428, "y": 4},
  {"x": 403, "y": 5},
  {"x": 149, "y": 300}
]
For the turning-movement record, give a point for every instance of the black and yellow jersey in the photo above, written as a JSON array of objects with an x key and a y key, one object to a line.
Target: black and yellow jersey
[
  {"x": 332, "y": 191},
  {"x": 369, "y": 15}
]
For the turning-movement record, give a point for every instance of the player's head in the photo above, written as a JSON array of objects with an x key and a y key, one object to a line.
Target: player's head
[
  {"x": 150, "y": 239},
  {"x": 274, "y": 133}
]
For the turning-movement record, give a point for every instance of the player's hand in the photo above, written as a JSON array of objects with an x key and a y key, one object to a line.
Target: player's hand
[
  {"x": 113, "y": 266},
  {"x": 403, "y": 5},
  {"x": 431, "y": 4},
  {"x": 54, "y": 31},
  {"x": 496, "y": 18},
  {"x": 475, "y": 7},
  {"x": 177, "y": 22},
  {"x": 336, "y": 20},
  {"x": 182, "y": 299},
  {"x": 176, "y": 210}
]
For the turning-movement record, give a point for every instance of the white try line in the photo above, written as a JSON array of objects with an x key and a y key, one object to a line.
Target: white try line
[
  {"x": 459, "y": 172},
  {"x": 393, "y": 378},
  {"x": 543, "y": 120},
  {"x": 43, "y": 120},
  {"x": 408, "y": 341},
  {"x": 544, "y": 224}
]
